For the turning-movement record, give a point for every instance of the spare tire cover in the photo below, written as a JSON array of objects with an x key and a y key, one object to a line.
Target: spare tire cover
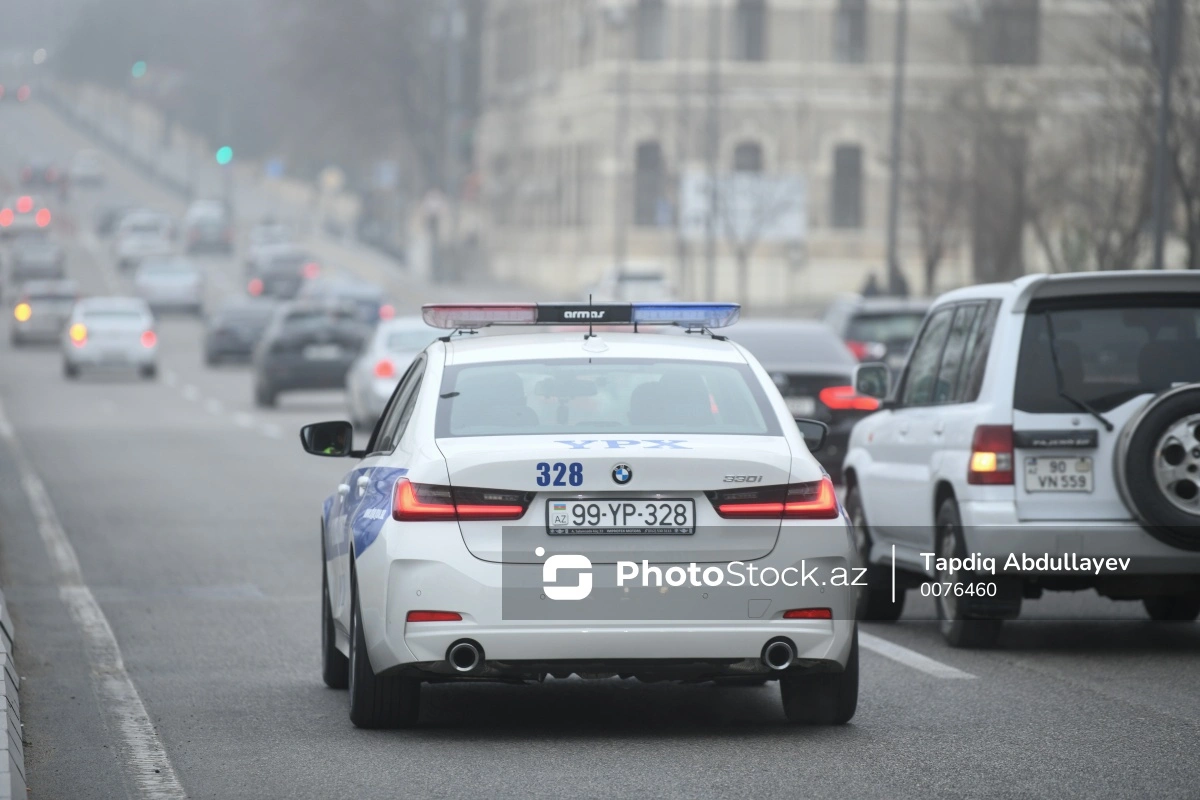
[{"x": 1158, "y": 467}]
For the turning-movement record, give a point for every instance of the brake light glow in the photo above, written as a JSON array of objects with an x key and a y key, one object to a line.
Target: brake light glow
[
  {"x": 808, "y": 613},
  {"x": 311, "y": 270},
  {"x": 991, "y": 456},
  {"x": 255, "y": 287},
  {"x": 844, "y": 398},
  {"x": 24, "y": 204},
  {"x": 149, "y": 339},
  {"x": 417, "y": 502},
  {"x": 78, "y": 334},
  {"x": 434, "y": 616},
  {"x": 6, "y": 217},
  {"x": 867, "y": 351},
  {"x": 384, "y": 368},
  {"x": 22, "y": 94},
  {"x": 23, "y": 312},
  {"x": 387, "y": 311},
  {"x": 42, "y": 218},
  {"x": 815, "y": 500}
]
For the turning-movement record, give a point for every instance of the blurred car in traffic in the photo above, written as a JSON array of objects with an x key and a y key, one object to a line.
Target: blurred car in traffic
[
  {"x": 264, "y": 235},
  {"x": 35, "y": 255},
  {"x": 373, "y": 376},
  {"x": 22, "y": 213},
  {"x": 280, "y": 271},
  {"x": 207, "y": 228},
  {"x": 86, "y": 169},
  {"x": 42, "y": 310},
  {"x": 632, "y": 283},
  {"x": 170, "y": 282},
  {"x": 109, "y": 217},
  {"x": 110, "y": 332},
  {"x": 814, "y": 371},
  {"x": 877, "y": 328},
  {"x": 307, "y": 347},
  {"x": 40, "y": 172},
  {"x": 368, "y": 298},
  {"x": 142, "y": 234},
  {"x": 232, "y": 332}
]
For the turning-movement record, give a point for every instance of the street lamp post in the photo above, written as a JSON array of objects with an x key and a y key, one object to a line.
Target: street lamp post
[
  {"x": 895, "y": 279},
  {"x": 1167, "y": 19},
  {"x": 618, "y": 19},
  {"x": 712, "y": 146}
]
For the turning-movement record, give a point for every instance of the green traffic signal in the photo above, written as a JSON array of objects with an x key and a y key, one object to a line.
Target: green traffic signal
[
  {"x": 139, "y": 69},
  {"x": 224, "y": 155}
]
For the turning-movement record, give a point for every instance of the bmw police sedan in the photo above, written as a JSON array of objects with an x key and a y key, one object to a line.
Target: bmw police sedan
[{"x": 557, "y": 504}]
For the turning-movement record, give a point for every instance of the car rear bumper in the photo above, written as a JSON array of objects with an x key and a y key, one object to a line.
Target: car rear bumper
[
  {"x": 993, "y": 530},
  {"x": 399, "y": 573},
  {"x": 298, "y": 373},
  {"x": 98, "y": 356}
]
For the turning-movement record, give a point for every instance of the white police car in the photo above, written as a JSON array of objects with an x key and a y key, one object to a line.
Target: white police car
[{"x": 550, "y": 504}]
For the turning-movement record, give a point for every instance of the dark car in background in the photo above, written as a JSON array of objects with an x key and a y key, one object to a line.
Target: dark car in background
[
  {"x": 368, "y": 298},
  {"x": 207, "y": 228},
  {"x": 877, "y": 328},
  {"x": 281, "y": 272},
  {"x": 307, "y": 347},
  {"x": 232, "y": 332},
  {"x": 40, "y": 172},
  {"x": 42, "y": 310},
  {"x": 814, "y": 371}
]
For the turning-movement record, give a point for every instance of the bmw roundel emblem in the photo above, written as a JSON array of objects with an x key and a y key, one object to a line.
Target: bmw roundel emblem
[{"x": 622, "y": 474}]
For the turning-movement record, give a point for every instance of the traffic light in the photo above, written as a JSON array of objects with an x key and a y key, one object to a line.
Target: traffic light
[
  {"x": 224, "y": 155},
  {"x": 139, "y": 69}
]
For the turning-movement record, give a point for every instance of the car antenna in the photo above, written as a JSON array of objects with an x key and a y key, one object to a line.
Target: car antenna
[{"x": 589, "y": 333}]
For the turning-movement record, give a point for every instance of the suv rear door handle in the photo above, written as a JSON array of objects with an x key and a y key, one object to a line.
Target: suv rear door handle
[
  {"x": 938, "y": 427},
  {"x": 903, "y": 429}
]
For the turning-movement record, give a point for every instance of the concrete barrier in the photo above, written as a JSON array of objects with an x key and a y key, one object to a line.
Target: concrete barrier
[{"x": 12, "y": 746}]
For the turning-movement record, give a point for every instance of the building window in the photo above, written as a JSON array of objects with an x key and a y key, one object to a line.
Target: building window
[
  {"x": 1008, "y": 32},
  {"x": 747, "y": 157},
  {"x": 651, "y": 30},
  {"x": 850, "y": 32},
  {"x": 650, "y": 201},
  {"x": 750, "y": 31},
  {"x": 846, "y": 207}
]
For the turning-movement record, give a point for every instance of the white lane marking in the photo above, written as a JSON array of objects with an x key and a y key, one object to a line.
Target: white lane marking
[
  {"x": 243, "y": 420},
  {"x": 910, "y": 658},
  {"x": 145, "y": 760},
  {"x": 271, "y": 430},
  {"x": 190, "y": 392},
  {"x": 92, "y": 245},
  {"x": 213, "y": 406}
]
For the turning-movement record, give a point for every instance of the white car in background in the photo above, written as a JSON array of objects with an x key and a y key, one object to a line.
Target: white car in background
[
  {"x": 110, "y": 332},
  {"x": 143, "y": 234},
  {"x": 481, "y": 533},
  {"x": 171, "y": 282},
  {"x": 1053, "y": 416},
  {"x": 373, "y": 376},
  {"x": 633, "y": 283}
]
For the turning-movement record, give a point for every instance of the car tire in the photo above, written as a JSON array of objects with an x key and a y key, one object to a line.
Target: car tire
[
  {"x": 875, "y": 600},
  {"x": 70, "y": 370},
  {"x": 822, "y": 698},
  {"x": 377, "y": 702},
  {"x": 1158, "y": 467},
  {"x": 148, "y": 372},
  {"x": 958, "y": 628},
  {"x": 265, "y": 396},
  {"x": 740, "y": 682},
  {"x": 335, "y": 667},
  {"x": 1176, "y": 608}
]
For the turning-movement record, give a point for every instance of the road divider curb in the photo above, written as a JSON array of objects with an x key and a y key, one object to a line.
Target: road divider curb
[{"x": 12, "y": 759}]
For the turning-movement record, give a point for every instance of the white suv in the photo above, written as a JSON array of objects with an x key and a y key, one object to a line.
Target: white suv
[{"x": 1049, "y": 427}]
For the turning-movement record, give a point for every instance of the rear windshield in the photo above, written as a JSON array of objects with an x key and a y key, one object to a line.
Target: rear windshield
[
  {"x": 891, "y": 327},
  {"x": 285, "y": 262},
  {"x": 51, "y": 297},
  {"x": 113, "y": 315},
  {"x": 609, "y": 396},
  {"x": 318, "y": 318},
  {"x": 167, "y": 268},
  {"x": 1107, "y": 353}
]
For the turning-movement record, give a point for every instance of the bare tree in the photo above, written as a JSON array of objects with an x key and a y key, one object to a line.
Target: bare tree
[
  {"x": 936, "y": 185},
  {"x": 749, "y": 207}
]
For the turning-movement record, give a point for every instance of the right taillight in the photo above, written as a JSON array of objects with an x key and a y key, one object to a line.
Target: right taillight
[
  {"x": 812, "y": 500},
  {"x": 991, "y": 455},
  {"x": 844, "y": 398},
  {"x": 384, "y": 368},
  {"x": 255, "y": 287},
  {"x": 423, "y": 502}
]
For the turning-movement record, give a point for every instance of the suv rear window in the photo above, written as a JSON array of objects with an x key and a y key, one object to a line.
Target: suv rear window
[
  {"x": 1108, "y": 351},
  {"x": 891, "y": 327}
]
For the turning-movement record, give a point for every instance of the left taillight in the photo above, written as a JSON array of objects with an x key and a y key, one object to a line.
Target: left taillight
[
  {"x": 23, "y": 312},
  {"x": 384, "y": 368},
  {"x": 423, "y": 502},
  {"x": 844, "y": 398},
  {"x": 812, "y": 500},
  {"x": 149, "y": 339}
]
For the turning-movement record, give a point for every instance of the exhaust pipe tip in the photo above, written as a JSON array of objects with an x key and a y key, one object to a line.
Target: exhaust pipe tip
[
  {"x": 778, "y": 654},
  {"x": 465, "y": 656}
]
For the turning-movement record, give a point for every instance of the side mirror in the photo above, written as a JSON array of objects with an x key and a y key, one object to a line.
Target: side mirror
[
  {"x": 814, "y": 433},
  {"x": 873, "y": 380},
  {"x": 335, "y": 439}
]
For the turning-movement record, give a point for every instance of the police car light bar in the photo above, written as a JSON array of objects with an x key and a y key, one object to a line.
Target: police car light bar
[{"x": 482, "y": 315}]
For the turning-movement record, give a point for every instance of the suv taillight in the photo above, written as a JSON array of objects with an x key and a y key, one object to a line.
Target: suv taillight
[
  {"x": 815, "y": 500},
  {"x": 844, "y": 398},
  {"x": 991, "y": 456},
  {"x": 423, "y": 502}
]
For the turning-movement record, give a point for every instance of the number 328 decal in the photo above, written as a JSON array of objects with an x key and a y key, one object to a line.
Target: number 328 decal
[{"x": 560, "y": 474}]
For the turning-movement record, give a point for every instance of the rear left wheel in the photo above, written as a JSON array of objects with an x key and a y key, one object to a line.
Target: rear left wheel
[
  {"x": 958, "y": 627},
  {"x": 824, "y": 698},
  {"x": 375, "y": 701}
]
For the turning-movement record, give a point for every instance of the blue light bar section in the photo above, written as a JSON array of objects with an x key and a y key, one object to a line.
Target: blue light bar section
[{"x": 687, "y": 315}]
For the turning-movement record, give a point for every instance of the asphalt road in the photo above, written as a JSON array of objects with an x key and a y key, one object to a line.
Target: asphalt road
[{"x": 193, "y": 516}]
